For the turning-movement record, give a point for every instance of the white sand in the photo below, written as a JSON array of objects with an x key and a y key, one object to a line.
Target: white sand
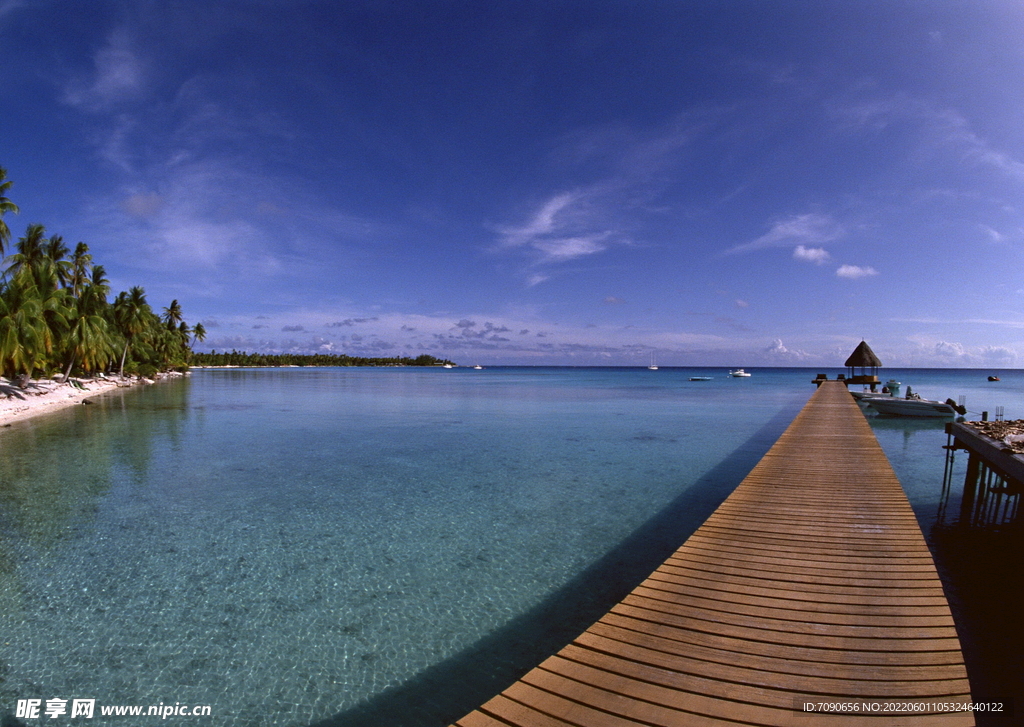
[{"x": 42, "y": 396}]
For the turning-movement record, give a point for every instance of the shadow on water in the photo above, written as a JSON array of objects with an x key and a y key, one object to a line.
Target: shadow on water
[{"x": 447, "y": 691}]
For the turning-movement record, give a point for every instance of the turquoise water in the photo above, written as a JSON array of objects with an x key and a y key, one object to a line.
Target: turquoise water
[{"x": 320, "y": 546}]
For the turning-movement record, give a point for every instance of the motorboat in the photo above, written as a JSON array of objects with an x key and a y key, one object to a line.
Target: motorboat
[
  {"x": 912, "y": 407},
  {"x": 993, "y": 378},
  {"x": 892, "y": 384},
  {"x": 738, "y": 373},
  {"x": 478, "y": 368},
  {"x": 700, "y": 378},
  {"x": 868, "y": 394}
]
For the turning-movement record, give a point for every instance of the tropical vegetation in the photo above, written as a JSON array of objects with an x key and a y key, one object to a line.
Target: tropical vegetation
[{"x": 57, "y": 319}]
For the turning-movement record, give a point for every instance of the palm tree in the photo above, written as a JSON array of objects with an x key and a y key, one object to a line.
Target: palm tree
[
  {"x": 88, "y": 340},
  {"x": 6, "y": 206},
  {"x": 172, "y": 314},
  {"x": 98, "y": 280},
  {"x": 56, "y": 253},
  {"x": 198, "y": 334},
  {"x": 22, "y": 336},
  {"x": 31, "y": 253},
  {"x": 81, "y": 261},
  {"x": 132, "y": 315}
]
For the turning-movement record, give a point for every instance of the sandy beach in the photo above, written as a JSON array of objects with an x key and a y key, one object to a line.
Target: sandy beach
[{"x": 42, "y": 396}]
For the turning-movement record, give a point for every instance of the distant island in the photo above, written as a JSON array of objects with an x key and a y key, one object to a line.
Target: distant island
[{"x": 242, "y": 358}]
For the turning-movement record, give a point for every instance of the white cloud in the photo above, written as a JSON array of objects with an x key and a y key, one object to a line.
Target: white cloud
[
  {"x": 852, "y": 272},
  {"x": 778, "y": 352},
  {"x": 811, "y": 228},
  {"x": 542, "y": 223},
  {"x": 942, "y": 129},
  {"x": 740, "y": 303},
  {"x": 816, "y": 255},
  {"x": 119, "y": 75},
  {"x": 566, "y": 227},
  {"x": 993, "y": 235},
  {"x": 949, "y": 353},
  {"x": 998, "y": 355},
  {"x": 560, "y": 250}
]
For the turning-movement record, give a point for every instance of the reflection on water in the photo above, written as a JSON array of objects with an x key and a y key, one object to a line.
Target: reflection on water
[
  {"x": 55, "y": 470},
  {"x": 288, "y": 545},
  {"x": 296, "y": 546}
]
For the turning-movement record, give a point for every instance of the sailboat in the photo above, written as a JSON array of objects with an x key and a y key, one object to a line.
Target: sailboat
[{"x": 653, "y": 366}]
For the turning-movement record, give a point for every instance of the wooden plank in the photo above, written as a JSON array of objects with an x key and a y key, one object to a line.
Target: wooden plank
[{"x": 812, "y": 582}]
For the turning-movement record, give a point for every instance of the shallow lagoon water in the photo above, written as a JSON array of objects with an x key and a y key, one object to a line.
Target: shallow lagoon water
[{"x": 307, "y": 546}]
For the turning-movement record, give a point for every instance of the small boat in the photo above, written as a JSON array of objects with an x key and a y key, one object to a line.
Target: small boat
[
  {"x": 892, "y": 384},
  {"x": 700, "y": 378},
  {"x": 866, "y": 394},
  {"x": 449, "y": 366},
  {"x": 738, "y": 373},
  {"x": 478, "y": 367},
  {"x": 993, "y": 378},
  {"x": 913, "y": 407},
  {"x": 653, "y": 366}
]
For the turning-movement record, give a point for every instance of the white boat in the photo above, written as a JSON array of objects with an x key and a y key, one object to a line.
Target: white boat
[
  {"x": 914, "y": 407},
  {"x": 892, "y": 384},
  {"x": 653, "y": 366},
  {"x": 478, "y": 368},
  {"x": 866, "y": 394},
  {"x": 449, "y": 366},
  {"x": 738, "y": 373}
]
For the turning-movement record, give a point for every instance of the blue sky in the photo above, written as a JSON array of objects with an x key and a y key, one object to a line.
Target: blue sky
[{"x": 714, "y": 183}]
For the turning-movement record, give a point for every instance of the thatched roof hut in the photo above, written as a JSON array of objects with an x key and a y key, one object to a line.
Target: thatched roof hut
[{"x": 863, "y": 358}]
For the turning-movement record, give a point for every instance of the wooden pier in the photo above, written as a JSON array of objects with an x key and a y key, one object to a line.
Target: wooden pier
[
  {"x": 810, "y": 585},
  {"x": 994, "y": 481}
]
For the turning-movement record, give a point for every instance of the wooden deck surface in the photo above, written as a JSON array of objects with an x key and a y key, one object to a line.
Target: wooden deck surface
[{"x": 811, "y": 583}]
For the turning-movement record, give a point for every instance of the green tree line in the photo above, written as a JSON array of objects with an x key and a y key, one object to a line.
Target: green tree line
[
  {"x": 56, "y": 315},
  {"x": 241, "y": 358}
]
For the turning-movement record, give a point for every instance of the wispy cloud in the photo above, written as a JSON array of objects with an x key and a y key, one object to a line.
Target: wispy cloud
[
  {"x": 557, "y": 250},
  {"x": 623, "y": 171},
  {"x": 937, "y": 129},
  {"x": 817, "y": 255},
  {"x": 7, "y": 8},
  {"x": 811, "y": 228},
  {"x": 852, "y": 272},
  {"x": 542, "y": 223},
  {"x": 119, "y": 75},
  {"x": 564, "y": 228},
  {"x": 993, "y": 235}
]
